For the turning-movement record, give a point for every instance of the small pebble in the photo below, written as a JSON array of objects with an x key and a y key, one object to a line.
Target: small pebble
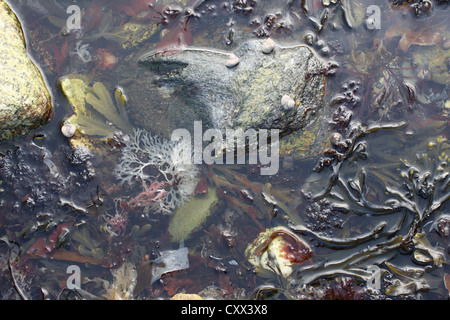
[
  {"x": 68, "y": 130},
  {"x": 320, "y": 44},
  {"x": 268, "y": 46},
  {"x": 426, "y": 6},
  {"x": 325, "y": 51},
  {"x": 446, "y": 44},
  {"x": 287, "y": 102},
  {"x": 232, "y": 61}
]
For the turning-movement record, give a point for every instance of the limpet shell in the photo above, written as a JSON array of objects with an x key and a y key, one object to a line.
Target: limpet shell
[
  {"x": 232, "y": 61},
  {"x": 268, "y": 46}
]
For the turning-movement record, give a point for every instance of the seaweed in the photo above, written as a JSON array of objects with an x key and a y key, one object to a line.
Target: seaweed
[
  {"x": 108, "y": 31},
  {"x": 101, "y": 101},
  {"x": 423, "y": 191},
  {"x": 159, "y": 166},
  {"x": 265, "y": 201},
  {"x": 426, "y": 188},
  {"x": 355, "y": 264},
  {"x": 355, "y": 149},
  {"x": 87, "y": 245},
  {"x": 409, "y": 280},
  {"x": 341, "y": 243},
  {"x": 105, "y": 116}
]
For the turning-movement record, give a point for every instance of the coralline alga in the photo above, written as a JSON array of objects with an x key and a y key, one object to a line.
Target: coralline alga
[{"x": 159, "y": 166}]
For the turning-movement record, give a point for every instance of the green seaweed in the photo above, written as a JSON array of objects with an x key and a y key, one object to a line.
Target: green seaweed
[
  {"x": 354, "y": 264},
  {"x": 353, "y": 13},
  {"x": 87, "y": 245},
  {"x": 104, "y": 116},
  {"x": 192, "y": 215},
  {"x": 101, "y": 101},
  {"x": 138, "y": 232},
  {"x": 75, "y": 88},
  {"x": 94, "y": 127}
]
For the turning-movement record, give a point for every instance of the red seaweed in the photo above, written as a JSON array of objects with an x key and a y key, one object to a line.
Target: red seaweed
[
  {"x": 61, "y": 56},
  {"x": 133, "y": 7},
  {"x": 202, "y": 187},
  {"x": 176, "y": 40}
]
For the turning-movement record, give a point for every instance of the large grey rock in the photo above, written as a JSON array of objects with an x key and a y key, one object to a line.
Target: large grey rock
[
  {"x": 277, "y": 90},
  {"x": 25, "y": 102}
]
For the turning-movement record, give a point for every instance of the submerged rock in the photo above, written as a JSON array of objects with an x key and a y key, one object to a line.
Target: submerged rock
[
  {"x": 244, "y": 94},
  {"x": 25, "y": 102},
  {"x": 435, "y": 61},
  {"x": 277, "y": 250}
]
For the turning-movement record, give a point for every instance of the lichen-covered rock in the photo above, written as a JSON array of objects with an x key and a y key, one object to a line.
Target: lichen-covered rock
[
  {"x": 186, "y": 296},
  {"x": 25, "y": 102},
  {"x": 245, "y": 94},
  {"x": 308, "y": 142},
  {"x": 434, "y": 59},
  {"x": 138, "y": 32}
]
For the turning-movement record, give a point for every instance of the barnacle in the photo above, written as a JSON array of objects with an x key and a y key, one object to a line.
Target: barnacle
[{"x": 167, "y": 176}]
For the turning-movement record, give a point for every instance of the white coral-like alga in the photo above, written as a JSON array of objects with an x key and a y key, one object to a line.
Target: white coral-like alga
[{"x": 167, "y": 176}]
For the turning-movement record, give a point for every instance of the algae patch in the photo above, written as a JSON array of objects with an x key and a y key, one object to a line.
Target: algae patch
[
  {"x": 191, "y": 216},
  {"x": 95, "y": 112}
]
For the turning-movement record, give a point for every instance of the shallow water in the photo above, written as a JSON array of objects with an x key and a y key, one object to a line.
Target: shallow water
[{"x": 62, "y": 205}]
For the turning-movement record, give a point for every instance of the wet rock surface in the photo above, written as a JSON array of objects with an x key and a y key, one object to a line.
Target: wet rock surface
[
  {"x": 25, "y": 102},
  {"x": 244, "y": 89}
]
